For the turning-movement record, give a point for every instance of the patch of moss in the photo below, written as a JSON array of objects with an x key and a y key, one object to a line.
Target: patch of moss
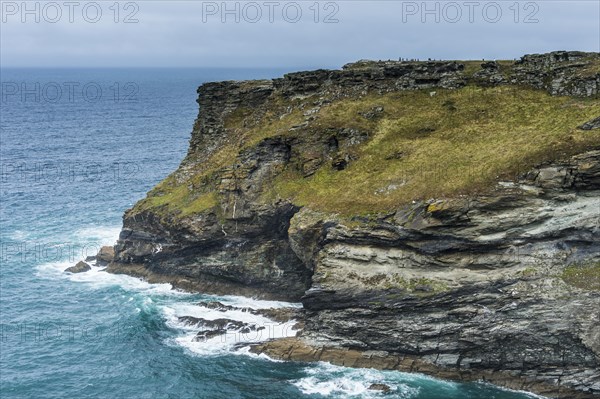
[
  {"x": 527, "y": 272},
  {"x": 471, "y": 67},
  {"x": 237, "y": 117},
  {"x": 201, "y": 203},
  {"x": 280, "y": 116},
  {"x": 177, "y": 200},
  {"x": 424, "y": 285},
  {"x": 584, "y": 276},
  {"x": 436, "y": 207}
]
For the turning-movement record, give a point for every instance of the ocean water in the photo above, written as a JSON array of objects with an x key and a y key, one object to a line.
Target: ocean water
[{"x": 78, "y": 147}]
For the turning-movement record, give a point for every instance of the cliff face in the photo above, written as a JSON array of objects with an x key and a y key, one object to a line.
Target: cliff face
[
  {"x": 475, "y": 287},
  {"x": 441, "y": 217}
]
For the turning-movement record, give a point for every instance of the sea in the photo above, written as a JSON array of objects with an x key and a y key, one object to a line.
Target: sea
[{"x": 77, "y": 148}]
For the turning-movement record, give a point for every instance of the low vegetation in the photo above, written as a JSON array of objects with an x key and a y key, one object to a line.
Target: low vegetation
[
  {"x": 584, "y": 276},
  {"x": 456, "y": 142},
  {"x": 176, "y": 199},
  {"x": 422, "y": 145}
]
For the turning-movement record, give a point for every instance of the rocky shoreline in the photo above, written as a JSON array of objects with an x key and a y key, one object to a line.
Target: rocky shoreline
[
  {"x": 499, "y": 284},
  {"x": 298, "y": 349}
]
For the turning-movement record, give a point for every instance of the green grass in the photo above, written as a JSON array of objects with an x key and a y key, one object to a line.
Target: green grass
[
  {"x": 585, "y": 276},
  {"x": 471, "y": 67},
  {"x": 458, "y": 142},
  {"x": 172, "y": 198}
]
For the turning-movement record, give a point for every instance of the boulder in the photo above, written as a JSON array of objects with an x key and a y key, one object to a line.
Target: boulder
[
  {"x": 80, "y": 267},
  {"x": 215, "y": 328},
  {"x": 203, "y": 336},
  {"x": 380, "y": 387}
]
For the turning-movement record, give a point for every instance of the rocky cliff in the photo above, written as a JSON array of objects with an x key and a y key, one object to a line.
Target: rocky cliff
[{"x": 441, "y": 217}]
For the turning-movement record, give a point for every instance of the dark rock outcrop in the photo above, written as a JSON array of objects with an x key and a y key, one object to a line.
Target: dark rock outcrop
[
  {"x": 218, "y": 327},
  {"x": 559, "y": 72},
  {"x": 222, "y": 256},
  {"x": 105, "y": 256},
  {"x": 80, "y": 267},
  {"x": 593, "y": 124},
  {"x": 380, "y": 387}
]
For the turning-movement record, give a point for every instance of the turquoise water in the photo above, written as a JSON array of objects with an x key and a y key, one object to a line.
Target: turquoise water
[{"x": 77, "y": 149}]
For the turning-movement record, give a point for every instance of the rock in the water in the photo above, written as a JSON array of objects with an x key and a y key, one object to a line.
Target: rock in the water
[
  {"x": 215, "y": 305},
  {"x": 380, "y": 387},
  {"x": 217, "y": 327},
  {"x": 80, "y": 267},
  {"x": 206, "y": 335}
]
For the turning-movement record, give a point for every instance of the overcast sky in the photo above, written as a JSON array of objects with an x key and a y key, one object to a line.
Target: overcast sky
[{"x": 157, "y": 33}]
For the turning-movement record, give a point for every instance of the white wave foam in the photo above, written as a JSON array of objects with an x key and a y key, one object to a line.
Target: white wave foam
[
  {"x": 102, "y": 235},
  {"x": 174, "y": 308},
  {"x": 341, "y": 385},
  {"x": 245, "y": 351},
  {"x": 243, "y": 302},
  {"x": 97, "y": 278},
  {"x": 528, "y": 394},
  {"x": 336, "y": 381},
  {"x": 232, "y": 340},
  {"x": 187, "y": 309}
]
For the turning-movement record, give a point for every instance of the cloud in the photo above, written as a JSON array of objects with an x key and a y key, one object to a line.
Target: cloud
[{"x": 288, "y": 33}]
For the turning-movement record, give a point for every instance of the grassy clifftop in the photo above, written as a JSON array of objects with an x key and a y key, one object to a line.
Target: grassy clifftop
[
  {"x": 456, "y": 142},
  {"x": 373, "y": 151}
]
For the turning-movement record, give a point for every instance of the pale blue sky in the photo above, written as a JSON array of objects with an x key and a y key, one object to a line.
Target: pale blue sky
[{"x": 192, "y": 34}]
